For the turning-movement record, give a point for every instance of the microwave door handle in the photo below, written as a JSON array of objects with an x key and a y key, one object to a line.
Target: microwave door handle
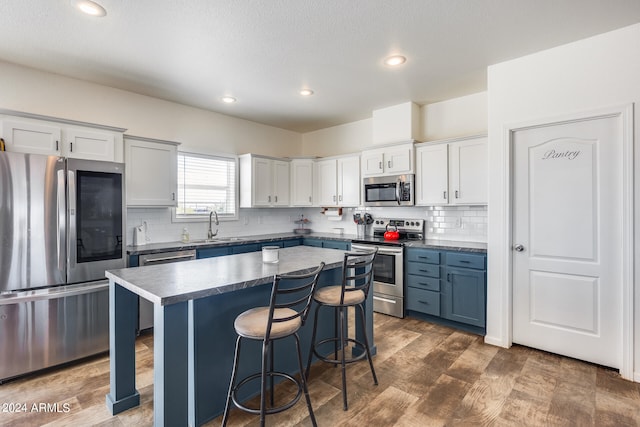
[{"x": 398, "y": 184}]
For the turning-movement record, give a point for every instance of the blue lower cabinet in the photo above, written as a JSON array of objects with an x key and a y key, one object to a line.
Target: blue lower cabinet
[
  {"x": 464, "y": 296},
  {"x": 447, "y": 287},
  {"x": 243, "y": 249},
  {"x": 335, "y": 244},
  {"x": 292, "y": 242},
  {"x": 211, "y": 252},
  {"x": 312, "y": 242}
]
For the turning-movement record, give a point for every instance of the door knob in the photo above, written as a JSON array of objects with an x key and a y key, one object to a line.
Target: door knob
[{"x": 518, "y": 248}]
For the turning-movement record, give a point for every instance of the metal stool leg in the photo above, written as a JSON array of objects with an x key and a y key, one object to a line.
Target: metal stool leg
[
  {"x": 313, "y": 342},
  {"x": 263, "y": 383},
  {"x": 271, "y": 379},
  {"x": 343, "y": 344},
  {"x": 366, "y": 345},
  {"x": 234, "y": 373},
  {"x": 304, "y": 382}
]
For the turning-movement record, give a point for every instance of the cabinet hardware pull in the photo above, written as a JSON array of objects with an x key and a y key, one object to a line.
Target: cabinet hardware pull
[
  {"x": 423, "y": 302},
  {"x": 380, "y": 165},
  {"x": 269, "y": 199},
  {"x": 444, "y": 195},
  {"x": 309, "y": 198},
  {"x": 276, "y": 199},
  {"x": 334, "y": 198},
  {"x": 173, "y": 196},
  {"x": 456, "y": 194},
  {"x": 71, "y": 147},
  {"x": 389, "y": 164},
  {"x": 448, "y": 277},
  {"x": 57, "y": 148},
  {"x": 463, "y": 261}
]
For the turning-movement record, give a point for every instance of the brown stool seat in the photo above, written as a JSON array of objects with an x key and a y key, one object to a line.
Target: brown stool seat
[
  {"x": 253, "y": 323},
  {"x": 330, "y": 295}
]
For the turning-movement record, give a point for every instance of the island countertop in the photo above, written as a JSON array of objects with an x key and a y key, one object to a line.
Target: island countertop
[{"x": 166, "y": 284}]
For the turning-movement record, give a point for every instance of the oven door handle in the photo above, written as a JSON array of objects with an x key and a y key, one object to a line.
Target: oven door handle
[
  {"x": 381, "y": 249},
  {"x": 390, "y": 301}
]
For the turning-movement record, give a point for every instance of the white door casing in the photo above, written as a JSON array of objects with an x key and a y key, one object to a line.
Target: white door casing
[{"x": 571, "y": 212}]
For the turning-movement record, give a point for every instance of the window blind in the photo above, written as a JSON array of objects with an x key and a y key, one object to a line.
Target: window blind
[{"x": 205, "y": 184}]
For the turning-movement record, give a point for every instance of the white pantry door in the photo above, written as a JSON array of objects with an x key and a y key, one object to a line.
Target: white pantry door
[{"x": 567, "y": 238}]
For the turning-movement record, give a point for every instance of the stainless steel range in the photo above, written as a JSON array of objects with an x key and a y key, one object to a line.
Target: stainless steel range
[{"x": 388, "y": 271}]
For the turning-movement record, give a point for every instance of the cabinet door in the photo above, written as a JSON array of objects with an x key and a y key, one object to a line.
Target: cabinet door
[
  {"x": 80, "y": 144},
  {"x": 468, "y": 172},
  {"x": 24, "y": 137},
  {"x": 399, "y": 161},
  {"x": 432, "y": 175},
  {"x": 301, "y": 183},
  {"x": 326, "y": 183},
  {"x": 464, "y": 296},
  {"x": 151, "y": 173},
  {"x": 280, "y": 183},
  {"x": 262, "y": 181},
  {"x": 372, "y": 163},
  {"x": 349, "y": 181}
]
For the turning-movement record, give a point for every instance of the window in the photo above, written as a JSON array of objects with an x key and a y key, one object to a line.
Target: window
[{"x": 205, "y": 184}]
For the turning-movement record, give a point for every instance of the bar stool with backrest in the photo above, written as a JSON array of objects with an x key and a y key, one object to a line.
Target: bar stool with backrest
[
  {"x": 287, "y": 312},
  {"x": 357, "y": 276}
]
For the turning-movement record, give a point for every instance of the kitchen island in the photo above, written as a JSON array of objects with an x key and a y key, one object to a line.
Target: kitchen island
[{"x": 195, "y": 304}]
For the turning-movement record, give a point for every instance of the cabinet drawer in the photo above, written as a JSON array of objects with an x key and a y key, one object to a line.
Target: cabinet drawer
[
  {"x": 422, "y": 282},
  {"x": 420, "y": 269},
  {"x": 423, "y": 255},
  {"x": 427, "y": 302},
  {"x": 466, "y": 260}
]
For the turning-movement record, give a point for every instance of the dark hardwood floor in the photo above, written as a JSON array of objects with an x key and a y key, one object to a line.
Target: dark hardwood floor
[{"x": 429, "y": 375}]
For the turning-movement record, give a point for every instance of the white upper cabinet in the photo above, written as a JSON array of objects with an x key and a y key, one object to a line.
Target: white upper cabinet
[
  {"x": 264, "y": 181},
  {"x": 56, "y": 137},
  {"x": 301, "y": 182},
  {"x": 337, "y": 181},
  {"x": 392, "y": 160},
  {"x": 83, "y": 144},
  {"x": 452, "y": 173},
  {"x": 151, "y": 173}
]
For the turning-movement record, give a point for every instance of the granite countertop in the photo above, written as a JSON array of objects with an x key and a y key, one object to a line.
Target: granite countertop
[
  {"x": 449, "y": 245},
  {"x": 231, "y": 241},
  {"x": 166, "y": 284}
]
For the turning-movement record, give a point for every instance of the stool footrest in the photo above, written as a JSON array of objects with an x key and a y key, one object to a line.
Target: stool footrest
[
  {"x": 335, "y": 361},
  {"x": 268, "y": 411}
]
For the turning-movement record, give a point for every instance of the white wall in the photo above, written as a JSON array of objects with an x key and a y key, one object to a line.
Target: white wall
[
  {"x": 32, "y": 91},
  {"x": 452, "y": 118},
  {"x": 343, "y": 139},
  {"x": 586, "y": 75},
  {"x": 456, "y": 117}
]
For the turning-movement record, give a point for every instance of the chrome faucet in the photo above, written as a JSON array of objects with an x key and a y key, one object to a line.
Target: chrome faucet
[{"x": 211, "y": 234}]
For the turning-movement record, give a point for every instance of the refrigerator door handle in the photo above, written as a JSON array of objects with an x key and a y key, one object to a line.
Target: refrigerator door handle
[
  {"x": 61, "y": 221},
  {"x": 71, "y": 185},
  {"x": 53, "y": 293}
]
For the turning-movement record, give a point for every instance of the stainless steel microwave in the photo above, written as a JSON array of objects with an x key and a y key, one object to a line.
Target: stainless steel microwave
[{"x": 395, "y": 190}]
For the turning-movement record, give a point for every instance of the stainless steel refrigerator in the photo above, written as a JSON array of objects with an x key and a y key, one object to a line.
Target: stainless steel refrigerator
[{"x": 62, "y": 224}]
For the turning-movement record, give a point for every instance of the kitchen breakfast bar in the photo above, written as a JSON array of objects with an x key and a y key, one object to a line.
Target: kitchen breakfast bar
[{"x": 195, "y": 305}]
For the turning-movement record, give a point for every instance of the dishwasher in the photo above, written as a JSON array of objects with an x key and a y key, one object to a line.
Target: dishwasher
[{"x": 145, "y": 310}]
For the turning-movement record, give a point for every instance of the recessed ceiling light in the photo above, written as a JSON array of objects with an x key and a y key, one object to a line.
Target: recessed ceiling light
[
  {"x": 306, "y": 92},
  {"x": 395, "y": 60},
  {"x": 89, "y": 7},
  {"x": 228, "y": 99}
]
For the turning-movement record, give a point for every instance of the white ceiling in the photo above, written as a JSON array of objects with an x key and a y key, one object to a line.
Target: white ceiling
[{"x": 263, "y": 51}]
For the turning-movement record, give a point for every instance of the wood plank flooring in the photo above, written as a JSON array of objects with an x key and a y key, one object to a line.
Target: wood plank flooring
[{"x": 428, "y": 375}]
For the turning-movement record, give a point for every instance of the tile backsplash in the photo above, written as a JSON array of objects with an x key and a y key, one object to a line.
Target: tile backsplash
[{"x": 464, "y": 223}]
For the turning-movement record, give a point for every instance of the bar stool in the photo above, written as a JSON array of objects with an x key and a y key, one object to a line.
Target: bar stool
[
  {"x": 357, "y": 275},
  {"x": 287, "y": 312}
]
